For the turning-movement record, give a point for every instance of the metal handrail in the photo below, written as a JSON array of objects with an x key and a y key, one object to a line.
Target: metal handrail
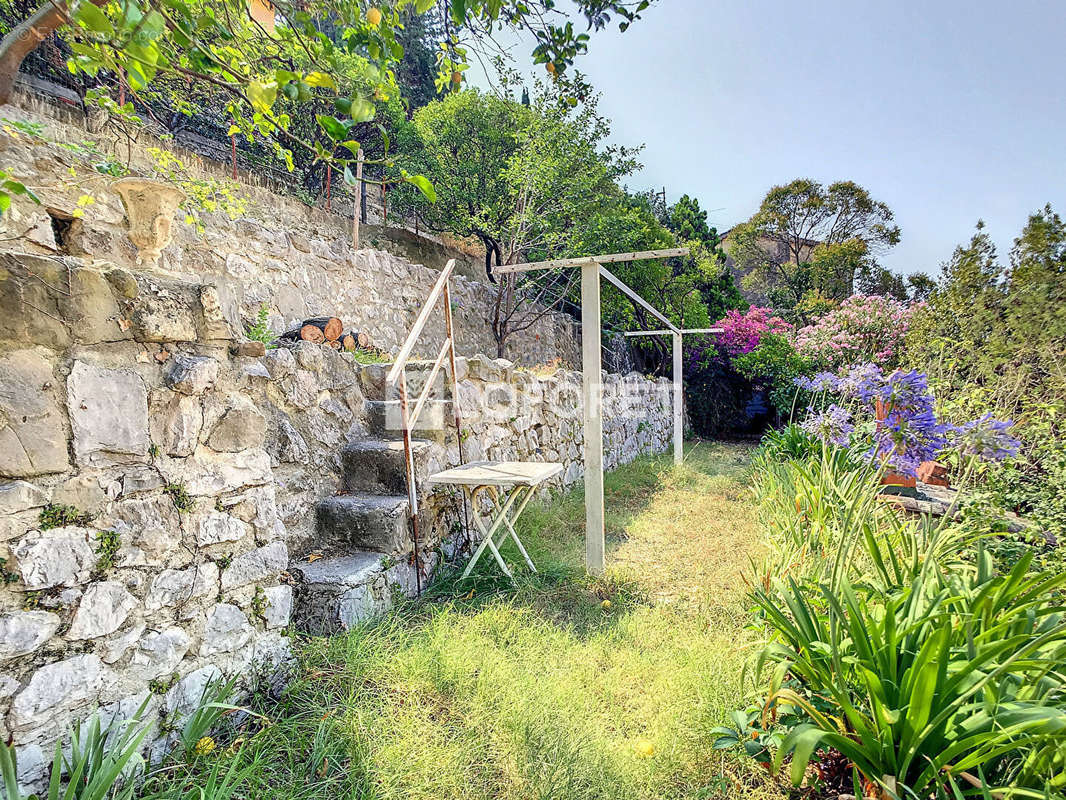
[{"x": 397, "y": 376}]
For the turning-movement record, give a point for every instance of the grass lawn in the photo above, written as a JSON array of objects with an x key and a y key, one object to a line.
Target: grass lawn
[{"x": 482, "y": 691}]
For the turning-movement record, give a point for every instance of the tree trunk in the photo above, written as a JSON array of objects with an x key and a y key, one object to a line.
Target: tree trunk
[{"x": 23, "y": 38}]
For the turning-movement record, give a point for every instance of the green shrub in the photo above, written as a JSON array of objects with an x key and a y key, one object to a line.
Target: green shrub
[
  {"x": 100, "y": 765},
  {"x": 774, "y": 364},
  {"x": 259, "y": 331},
  {"x": 992, "y": 337}
]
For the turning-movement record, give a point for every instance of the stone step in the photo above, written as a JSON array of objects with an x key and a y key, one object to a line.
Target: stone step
[
  {"x": 435, "y": 422},
  {"x": 365, "y": 522},
  {"x": 372, "y": 377},
  {"x": 333, "y": 594},
  {"x": 376, "y": 466}
]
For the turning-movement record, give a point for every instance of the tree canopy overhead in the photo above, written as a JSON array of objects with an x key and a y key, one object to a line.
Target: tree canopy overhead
[{"x": 343, "y": 52}]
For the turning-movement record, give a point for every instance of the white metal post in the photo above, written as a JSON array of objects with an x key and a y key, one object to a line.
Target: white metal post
[
  {"x": 592, "y": 395},
  {"x": 679, "y": 419}
]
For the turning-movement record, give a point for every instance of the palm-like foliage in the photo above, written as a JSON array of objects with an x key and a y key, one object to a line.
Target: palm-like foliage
[{"x": 927, "y": 679}]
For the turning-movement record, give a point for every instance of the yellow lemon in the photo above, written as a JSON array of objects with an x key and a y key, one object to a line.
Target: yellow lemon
[
  {"x": 644, "y": 748},
  {"x": 373, "y": 16},
  {"x": 606, "y": 604},
  {"x": 550, "y": 67}
]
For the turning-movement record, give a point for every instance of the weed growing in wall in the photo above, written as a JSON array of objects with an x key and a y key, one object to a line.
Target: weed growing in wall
[
  {"x": 179, "y": 496},
  {"x": 59, "y": 516},
  {"x": 106, "y": 550},
  {"x": 259, "y": 604},
  {"x": 259, "y": 331}
]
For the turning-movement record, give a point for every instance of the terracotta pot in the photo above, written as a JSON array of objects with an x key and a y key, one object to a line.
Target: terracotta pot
[
  {"x": 934, "y": 473},
  {"x": 150, "y": 207}
]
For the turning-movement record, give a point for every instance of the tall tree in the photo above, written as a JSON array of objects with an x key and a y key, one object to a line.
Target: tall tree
[
  {"x": 523, "y": 179},
  {"x": 840, "y": 226}
]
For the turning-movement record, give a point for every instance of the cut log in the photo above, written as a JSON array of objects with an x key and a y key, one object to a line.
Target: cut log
[
  {"x": 312, "y": 333},
  {"x": 336, "y": 345},
  {"x": 356, "y": 341},
  {"x": 331, "y": 327}
]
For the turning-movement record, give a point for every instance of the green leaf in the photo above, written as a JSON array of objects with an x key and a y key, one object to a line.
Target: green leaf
[
  {"x": 422, "y": 6},
  {"x": 334, "y": 128},
  {"x": 94, "y": 19},
  {"x": 458, "y": 9},
  {"x": 5, "y": 201},
  {"x": 423, "y": 185},
  {"x": 320, "y": 80},
  {"x": 262, "y": 95},
  {"x": 350, "y": 178},
  {"x": 352, "y": 145},
  {"x": 362, "y": 110}
]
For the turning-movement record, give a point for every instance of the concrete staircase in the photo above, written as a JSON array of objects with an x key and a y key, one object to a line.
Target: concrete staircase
[{"x": 363, "y": 534}]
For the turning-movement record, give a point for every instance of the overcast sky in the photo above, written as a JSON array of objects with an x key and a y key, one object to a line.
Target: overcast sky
[{"x": 947, "y": 111}]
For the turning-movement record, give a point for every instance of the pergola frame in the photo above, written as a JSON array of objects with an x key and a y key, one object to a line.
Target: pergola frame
[{"x": 592, "y": 270}]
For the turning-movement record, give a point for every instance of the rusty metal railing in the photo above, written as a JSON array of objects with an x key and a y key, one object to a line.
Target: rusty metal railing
[{"x": 397, "y": 377}]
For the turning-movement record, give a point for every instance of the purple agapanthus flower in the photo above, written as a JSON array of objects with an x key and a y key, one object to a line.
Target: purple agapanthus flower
[
  {"x": 987, "y": 438},
  {"x": 831, "y": 425},
  {"x": 907, "y": 437},
  {"x": 820, "y": 382},
  {"x": 858, "y": 375},
  {"x": 900, "y": 391}
]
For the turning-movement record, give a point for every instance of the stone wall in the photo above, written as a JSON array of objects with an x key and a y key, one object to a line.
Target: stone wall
[
  {"x": 292, "y": 259},
  {"x": 157, "y": 491}
]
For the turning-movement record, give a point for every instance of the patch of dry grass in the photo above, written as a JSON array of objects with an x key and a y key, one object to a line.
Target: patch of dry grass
[{"x": 484, "y": 691}]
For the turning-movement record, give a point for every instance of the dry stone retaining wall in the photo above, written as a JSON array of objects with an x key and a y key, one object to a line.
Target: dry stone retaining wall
[
  {"x": 157, "y": 492},
  {"x": 294, "y": 260}
]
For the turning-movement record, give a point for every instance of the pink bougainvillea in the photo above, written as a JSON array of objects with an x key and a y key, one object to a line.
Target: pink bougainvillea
[
  {"x": 743, "y": 330},
  {"x": 864, "y": 328}
]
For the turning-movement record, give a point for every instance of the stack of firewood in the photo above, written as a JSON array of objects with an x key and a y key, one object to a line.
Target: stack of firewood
[{"x": 328, "y": 331}]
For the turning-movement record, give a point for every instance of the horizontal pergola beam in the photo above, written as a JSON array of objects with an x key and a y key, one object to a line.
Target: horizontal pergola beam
[
  {"x": 613, "y": 258},
  {"x": 683, "y": 330}
]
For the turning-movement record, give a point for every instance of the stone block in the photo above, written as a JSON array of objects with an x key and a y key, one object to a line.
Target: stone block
[
  {"x": 191, "y": 690},
  {"x": 23, "y": 632},
  {"x": 184, "y": 419},
  {"x": 149, "y": 523},
  {"x": 241, "y": 427},
  {"x": 165, "y": 311},
  {"x": 57, "y": 689},
  {"x": 227, "y": 630},
  {"x": 57, "y": 557},
  {"x": 192, "y": 375},
  {"x": 262, "y": 564},
  {"x": 217, "y": 527},
  {"x": 103, "y": 609},
  {"x": 278, "y": 609},
  {"x": 174, "y": 587},
  {"x": 108, "y": 414},
  {"x": 160, "y": 653},
  {"x": 207, "y": 472},
  {"x": 19, "y": 496},
  {"x": 33, "y": 437}
]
